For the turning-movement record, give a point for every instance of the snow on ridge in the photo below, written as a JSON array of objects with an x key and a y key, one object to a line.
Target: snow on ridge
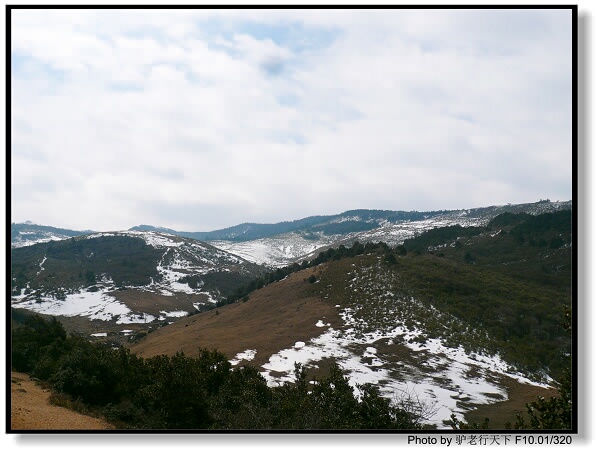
[
  {"x": 47, "y": 237},
  {"x": 153, "y": 238},
  {"x": 181, "y": 257},
  {"x": 276, "y": 251}
]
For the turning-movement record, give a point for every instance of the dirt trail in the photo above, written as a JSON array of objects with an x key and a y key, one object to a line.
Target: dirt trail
[{"x": 31, "y": 409}]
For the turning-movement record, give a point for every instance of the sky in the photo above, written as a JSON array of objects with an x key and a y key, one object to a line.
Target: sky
[{"x": 201, "y": 119}]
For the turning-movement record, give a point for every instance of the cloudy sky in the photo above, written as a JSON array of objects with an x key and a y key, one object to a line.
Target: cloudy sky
[{"x": 202, "y": 119}]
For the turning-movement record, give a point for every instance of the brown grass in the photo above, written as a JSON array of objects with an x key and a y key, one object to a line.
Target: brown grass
[
  {"x": 274, "y": 318},
  {"x": 151, "y": 303},
  {"x": 501, "y": 412}
]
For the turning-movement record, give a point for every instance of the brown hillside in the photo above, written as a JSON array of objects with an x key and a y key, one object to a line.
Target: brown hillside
[{"x": 274, "y": 318}]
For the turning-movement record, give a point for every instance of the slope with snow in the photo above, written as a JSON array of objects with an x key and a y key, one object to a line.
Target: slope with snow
[
  {"x": 378, "y": 322},
  {"x": 180, "y": 260}
]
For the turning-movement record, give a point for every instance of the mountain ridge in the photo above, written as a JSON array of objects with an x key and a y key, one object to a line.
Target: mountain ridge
[
  {"x": 282, "y": 243},
  {"x": 250, "y": 231}
]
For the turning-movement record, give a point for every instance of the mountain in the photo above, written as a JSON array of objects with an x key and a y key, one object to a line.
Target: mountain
[
  {"x": 466, "y": 319},
  {"x": 23, "y": 234},
  {"x": 127, "y": 277},
  {"x": 391, "y": 227}
]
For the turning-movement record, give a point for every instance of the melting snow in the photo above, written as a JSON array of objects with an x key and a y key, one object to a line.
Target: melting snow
[
  {"x": 42, "y": 265},
  {"x": 175, "y": 313},
  {"x": 136, "y": 318},
  {"x": 247, "y": 355},
  {"x": 448, "y": 378},
  {"x": 95, "y": 305}
]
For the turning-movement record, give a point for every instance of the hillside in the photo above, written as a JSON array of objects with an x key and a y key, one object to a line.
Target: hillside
[
  {"x": 121, "y": 282},
  {"x": 273, "y": 318},
  {"x": 464, "y": 311},
  {"x": 459, "y": 331}
]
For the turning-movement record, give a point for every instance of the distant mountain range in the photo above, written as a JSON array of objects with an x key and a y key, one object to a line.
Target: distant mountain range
[
  {"x": 286, "y": 242},
  {"x": 353, "y": 221}
]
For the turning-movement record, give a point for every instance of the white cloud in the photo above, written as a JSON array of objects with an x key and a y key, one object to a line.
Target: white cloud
[{"x": 122, "y": 117}]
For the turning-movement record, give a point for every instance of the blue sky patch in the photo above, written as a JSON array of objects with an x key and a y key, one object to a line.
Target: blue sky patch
[
  {"x": 294, "y": 36},
  {"x": 25, "y": 66}
]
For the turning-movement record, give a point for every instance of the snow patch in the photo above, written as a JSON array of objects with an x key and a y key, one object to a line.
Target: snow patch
[{"x": 247, "y": 355}]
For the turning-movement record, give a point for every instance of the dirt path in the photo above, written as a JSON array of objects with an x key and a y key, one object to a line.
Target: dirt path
[{"x": 31, "y": 409}]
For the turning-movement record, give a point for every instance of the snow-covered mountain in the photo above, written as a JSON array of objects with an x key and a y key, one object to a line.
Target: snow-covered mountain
[{"x": 380, "y": 320}]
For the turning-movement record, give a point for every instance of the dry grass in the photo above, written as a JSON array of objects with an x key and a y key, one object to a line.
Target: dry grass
[
  {"x": 151, "y": 303},
  {"x": 501, "y": 412},
  {"x": 274, "y": 318}
]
